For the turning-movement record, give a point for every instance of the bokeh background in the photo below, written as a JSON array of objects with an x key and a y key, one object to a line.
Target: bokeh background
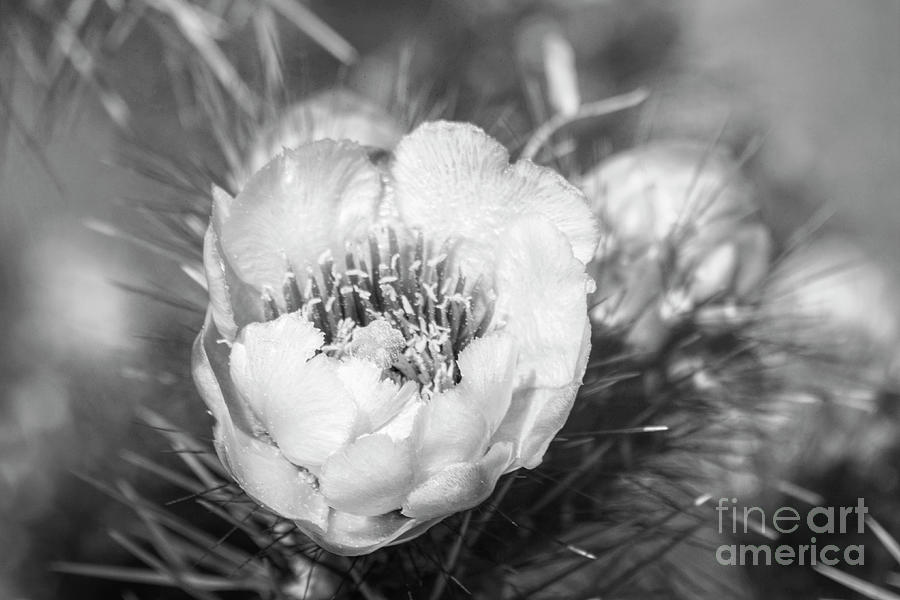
[{"x": 80, "y": 349}]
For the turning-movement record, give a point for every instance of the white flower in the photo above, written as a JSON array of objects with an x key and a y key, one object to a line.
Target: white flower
[
  {"x": 386, "y": 338},
  {"x": 681, "y": 231}
]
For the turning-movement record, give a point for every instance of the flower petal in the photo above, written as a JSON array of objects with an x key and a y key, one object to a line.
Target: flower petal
[
  {"x": 369, "y": 477},
  {"x": 219, "y": 300},
  {"x": 300, "y": 400},
  {"x": 541, "y": 299},
  {"x": 273, "y": 481},
  {"x": 379, "y": 400},
  {"x": 312, "y": 417},
  {"x": 536, "y": 415},
  {"x": 221, "y": 208},
  {"x": 227, "y": 292},
  {"x": 259, "y": 468},
  {"x": 208, "y": 368},
  {"x": 354, "y": 535},
  {"x": 266, "y": 356},
  {"x": 487, "y": 366},
  {"x": 449, "y": 430},
  {"x": 401, "y": 426},
  {"x": 453, "y": 181},
  {"x": 268, "y": 477},
  {"x": 317, "y": 197},
  {"x": 459, "y": 486}
]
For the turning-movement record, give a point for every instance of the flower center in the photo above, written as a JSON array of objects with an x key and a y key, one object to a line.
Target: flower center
[{"x": 402, "y": 282}]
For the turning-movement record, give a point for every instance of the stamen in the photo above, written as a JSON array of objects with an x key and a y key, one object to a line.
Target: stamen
[
  {"x": 375, "y": 257},
  {"x": 439, "y": 265},
  {"x": 318, "y": 313},
  {"x": 326, "y": 266},
  {"x": 457, "y": 323},
  {"x": 419, "y": 261},
  {"x": 354, "y": 302},
  {"x": 410, "y": 291},
  {"x": 350, "y": 300},
  {"x": 340, "y": 292},
  {"x": 293, "y": 299},
  {"x": 270, "y": 309}
]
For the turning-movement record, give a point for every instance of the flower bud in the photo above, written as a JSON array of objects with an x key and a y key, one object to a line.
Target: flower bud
[
  {"x": 681, "y": 232},
  {"x": 828, "y": 321},
  {"x": 385, "y": 339},
  {"x": 332, "y": 114}
]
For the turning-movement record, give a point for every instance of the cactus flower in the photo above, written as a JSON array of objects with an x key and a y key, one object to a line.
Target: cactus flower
[
  {"x": 389, "y": 334},
  {"x": 681, "y": 232}
]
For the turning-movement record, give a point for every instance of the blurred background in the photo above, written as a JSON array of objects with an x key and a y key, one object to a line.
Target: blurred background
[{"x": 817, "y": 80}]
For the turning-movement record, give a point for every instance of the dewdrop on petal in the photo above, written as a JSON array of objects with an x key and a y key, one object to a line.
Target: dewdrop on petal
[
  {"x": 681, "y": 232},
  {"x": 386, "y": 338}
]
